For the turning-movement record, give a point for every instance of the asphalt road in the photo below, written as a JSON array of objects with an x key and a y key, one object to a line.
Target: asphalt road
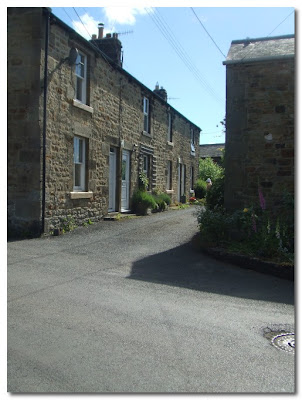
[{"x": 132, "y": 306}]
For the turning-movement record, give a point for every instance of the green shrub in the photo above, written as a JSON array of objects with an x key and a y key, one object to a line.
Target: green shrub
[
  {"x": 162, "y": 197},
  {"x": 215, "y": 195},
  {"x": 141, "y": 201},
  {"x": 143, "y": 182},
  {"x": 209, "y": 169},
  {"x": 200, "y": 189},
  {"x": 213, "y": 225}
]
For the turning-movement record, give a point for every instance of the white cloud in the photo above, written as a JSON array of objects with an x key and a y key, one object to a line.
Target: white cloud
[
  {"x": 114, "y": 15},
  {"x": 123, "y": 15},
  {"x": 90, "y": 26}
]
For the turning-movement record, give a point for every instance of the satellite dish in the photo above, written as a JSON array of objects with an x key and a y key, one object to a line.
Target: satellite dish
[{"x": 73, "y": 55}]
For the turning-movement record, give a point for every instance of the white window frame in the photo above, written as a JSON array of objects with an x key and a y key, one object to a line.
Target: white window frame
[
  {"x": 79, "y": 163},
  {"x": 81, "y": 78},
  {"x": 170, "y": 135},
  {"x": 192, "y": 142},
  {"x": 146, "y": 108}
]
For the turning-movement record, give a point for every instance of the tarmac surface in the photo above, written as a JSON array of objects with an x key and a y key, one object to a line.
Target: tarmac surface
[{"x": 131, "y": 306}]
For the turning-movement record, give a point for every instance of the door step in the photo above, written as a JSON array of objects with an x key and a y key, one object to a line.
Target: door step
[{"x": 116, "y": 216}]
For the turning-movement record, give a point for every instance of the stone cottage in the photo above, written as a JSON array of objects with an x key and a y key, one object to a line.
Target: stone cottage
[
  {"x": 81, "y": 129},
  {"x": 259, "y": 148}
]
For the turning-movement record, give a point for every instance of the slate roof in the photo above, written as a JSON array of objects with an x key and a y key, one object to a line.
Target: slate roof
[
  {"x": 211, "y": 150},
  {"x": 261, "y": 49}
]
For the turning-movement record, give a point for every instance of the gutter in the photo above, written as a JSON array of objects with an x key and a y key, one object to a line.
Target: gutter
[{"x": 47, "y": 18}]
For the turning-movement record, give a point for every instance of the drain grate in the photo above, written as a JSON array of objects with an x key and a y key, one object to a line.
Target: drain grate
[{"x": 285, "y": 341}]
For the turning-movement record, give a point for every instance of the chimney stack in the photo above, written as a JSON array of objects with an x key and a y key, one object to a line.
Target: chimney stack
[
  {"x": 161, "y": 92},
  {"x": 101, "y": 30},
  {"x": 109, "y": 45}
]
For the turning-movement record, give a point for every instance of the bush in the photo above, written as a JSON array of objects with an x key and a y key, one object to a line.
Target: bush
[
  {"x": 213, "y": 225},
  {"x": 141, "y": 201},
  {"x": 162, "y": 199},
  {"x": 250, "y": 231},
  {"x": 200, "y": 189},
  {"x": 215, "y": 196},
  {"x": 209, "y": 169}
]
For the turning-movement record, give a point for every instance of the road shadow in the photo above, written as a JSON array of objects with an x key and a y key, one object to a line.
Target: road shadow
[{"x": 187, "y": 267}]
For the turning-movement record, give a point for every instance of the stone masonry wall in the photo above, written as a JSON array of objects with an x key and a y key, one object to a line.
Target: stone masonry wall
[
  {"x": 260, "y": 133},
  {"x": 114, "y": 118},
  {"x": 24, "y": 36}
]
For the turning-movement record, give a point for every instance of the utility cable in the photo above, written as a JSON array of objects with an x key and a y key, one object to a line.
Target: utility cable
[
  {"x": 168, "y": 34},
  {"x": 266, "y": 37},
  {"x": 181, "y": 52},
  {"x": 207, "y": 32},
  {"x": 91, "y": 41},
  {"x": 281, "y": 23}
]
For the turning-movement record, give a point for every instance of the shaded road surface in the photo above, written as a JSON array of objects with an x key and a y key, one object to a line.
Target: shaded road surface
[{"x": 131, "y": 306}]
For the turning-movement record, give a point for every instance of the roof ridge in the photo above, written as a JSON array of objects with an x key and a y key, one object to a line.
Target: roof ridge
[{"x": 291, "y": 36}]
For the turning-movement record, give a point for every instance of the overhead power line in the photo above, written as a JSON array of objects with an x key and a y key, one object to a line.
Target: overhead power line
[
  {"x": 90, "y": 36},
  {"x": 207, "y": 32},
  {"x": 266, "y": 37},
  {"x": 180, "y": 51},
  {"x": 281, "y": 23}
]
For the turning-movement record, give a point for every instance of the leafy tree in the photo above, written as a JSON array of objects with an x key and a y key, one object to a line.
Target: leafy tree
[{"x": 209, "y": 169}]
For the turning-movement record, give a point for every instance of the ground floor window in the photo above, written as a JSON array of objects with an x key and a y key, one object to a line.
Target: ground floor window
[{"x": 79, "y": 160}]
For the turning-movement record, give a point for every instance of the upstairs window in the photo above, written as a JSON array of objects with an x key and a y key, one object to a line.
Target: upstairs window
[
  {"x": 146, "y": 115},
  {"x": 192, "y": 142},
  {"x": 170, "y": 136},
  {"x": 79, "y": 149},
  {"x": 81, "y": 78}
]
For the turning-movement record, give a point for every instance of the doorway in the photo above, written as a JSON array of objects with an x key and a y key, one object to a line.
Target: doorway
[
  {"x": 125, "y": 181},
  {"x": 181, "y": 181},
  {"x": 112, "y": 179}
]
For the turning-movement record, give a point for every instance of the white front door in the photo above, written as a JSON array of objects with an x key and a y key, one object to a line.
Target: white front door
[
  {"x": 181, "y": 180},
  {"x": 112, "y": 180},
  {"x": 125, "y": 180}
]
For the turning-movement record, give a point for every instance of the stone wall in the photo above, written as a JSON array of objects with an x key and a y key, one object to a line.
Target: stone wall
[
  {"x": 259, "y": 150},
  {"x": 24, "y": 125},
  {"x": 113, "y": 117}
]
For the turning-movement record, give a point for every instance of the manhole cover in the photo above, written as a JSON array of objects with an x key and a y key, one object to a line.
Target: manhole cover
[{"x": 285, "y": 341}]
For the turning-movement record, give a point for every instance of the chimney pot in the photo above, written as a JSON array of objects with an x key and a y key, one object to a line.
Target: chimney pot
[
  {"x": 94, "y": 36},
  {"x": 101, "y": 30}
]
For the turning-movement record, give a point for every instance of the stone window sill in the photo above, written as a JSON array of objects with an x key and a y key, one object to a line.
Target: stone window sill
[
  {"x": 146, "y": 133},
  {"x": 82, "y": 106},
  {"x": 81, "y": 195},
  {"x": 170, "y": 144},
  {"x": 169, "y": 191}
]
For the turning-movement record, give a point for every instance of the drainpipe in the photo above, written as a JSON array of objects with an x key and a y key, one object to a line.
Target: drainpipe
[{"x": 47, "y": 17}]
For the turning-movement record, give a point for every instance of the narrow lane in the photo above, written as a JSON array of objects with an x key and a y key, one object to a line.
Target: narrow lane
[{"x": 131, "y": 306}]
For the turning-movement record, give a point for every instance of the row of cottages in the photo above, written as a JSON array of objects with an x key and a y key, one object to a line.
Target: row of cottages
[
  {"x": 260, "y": 104},
  {"x": 81, "y": 129}
]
